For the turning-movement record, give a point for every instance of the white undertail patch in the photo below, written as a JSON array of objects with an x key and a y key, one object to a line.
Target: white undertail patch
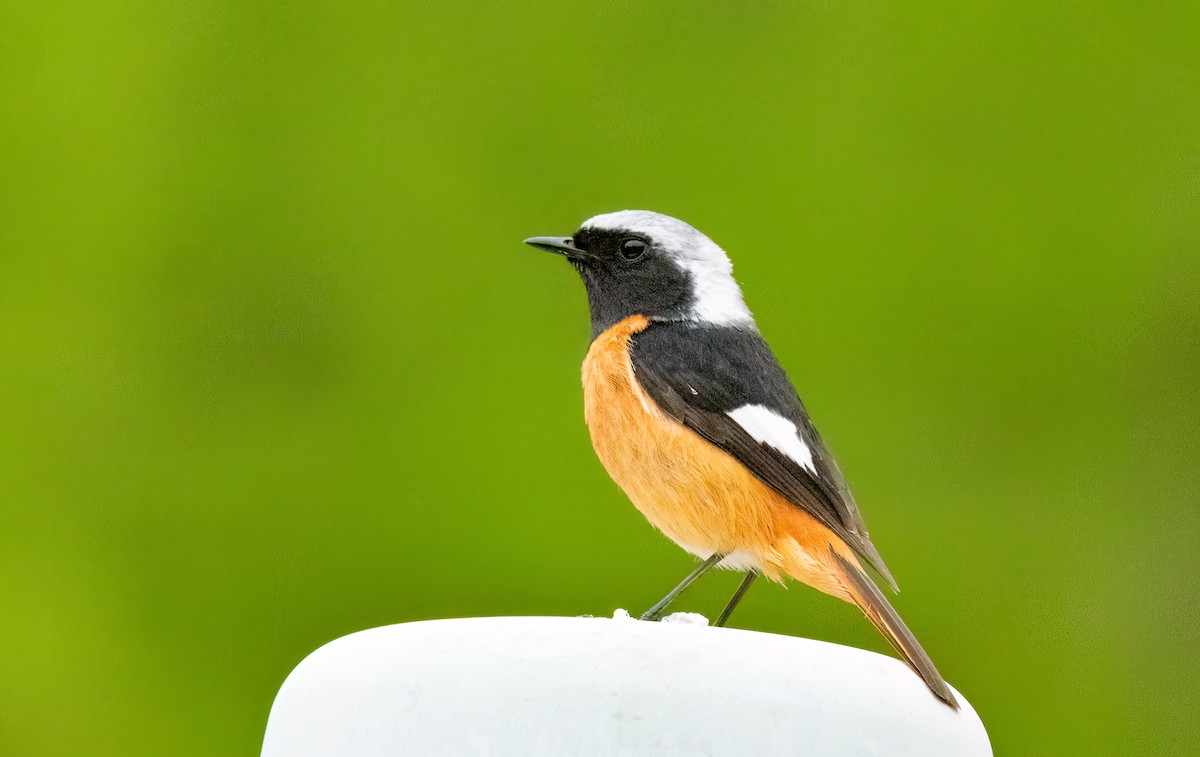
[
  {"x": 767, "y": 427},
  {"x": 717, "y": 298}
]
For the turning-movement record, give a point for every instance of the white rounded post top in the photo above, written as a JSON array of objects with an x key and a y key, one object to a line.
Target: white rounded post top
[{"x": 607, "y": 686}]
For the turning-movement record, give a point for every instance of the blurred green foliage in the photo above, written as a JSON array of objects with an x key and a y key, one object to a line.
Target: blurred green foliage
[{"x": 276, "y": 367}]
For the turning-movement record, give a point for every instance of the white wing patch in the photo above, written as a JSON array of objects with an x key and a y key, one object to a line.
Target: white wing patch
[{"x": 770, "y": 428}]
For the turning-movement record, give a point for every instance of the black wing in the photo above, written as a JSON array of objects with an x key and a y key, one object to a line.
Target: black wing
[{"x": 699, "y": 374}]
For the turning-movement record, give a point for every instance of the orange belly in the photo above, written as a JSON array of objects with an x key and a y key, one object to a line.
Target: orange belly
[{"x": 698, "y": 495}]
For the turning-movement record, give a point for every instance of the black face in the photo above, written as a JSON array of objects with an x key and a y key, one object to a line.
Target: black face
[{"x": 627, "y": 274}]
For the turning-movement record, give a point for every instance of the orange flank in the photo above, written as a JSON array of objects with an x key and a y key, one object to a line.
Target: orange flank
[{"x": 698, "y": 495}]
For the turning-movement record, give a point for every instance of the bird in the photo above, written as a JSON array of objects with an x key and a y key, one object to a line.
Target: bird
[{"x": 693, "y": 417}]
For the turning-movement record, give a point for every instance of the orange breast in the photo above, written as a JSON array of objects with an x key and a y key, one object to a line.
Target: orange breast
[{"x": 698, "y": 495}]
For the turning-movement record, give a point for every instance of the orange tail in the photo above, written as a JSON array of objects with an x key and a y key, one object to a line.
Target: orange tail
[{"x": 873, "y": 604}]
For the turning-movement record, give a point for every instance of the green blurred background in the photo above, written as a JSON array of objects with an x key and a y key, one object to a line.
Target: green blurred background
[{"x": 276, "y": 367}]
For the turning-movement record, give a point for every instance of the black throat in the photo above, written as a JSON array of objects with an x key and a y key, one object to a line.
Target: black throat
[{"x": 657, "y": 289}]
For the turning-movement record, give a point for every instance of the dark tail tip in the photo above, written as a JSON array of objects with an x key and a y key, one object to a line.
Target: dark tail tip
[{"x": 877, "y": 609}]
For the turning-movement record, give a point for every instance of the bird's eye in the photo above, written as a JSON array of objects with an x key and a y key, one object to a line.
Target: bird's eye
[{"x": 632, "y": 249}]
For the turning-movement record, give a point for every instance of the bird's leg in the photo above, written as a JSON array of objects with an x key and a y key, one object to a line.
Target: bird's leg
[
  {"x": 655, "y": 612},
  {"x": 737, "y": 597}
]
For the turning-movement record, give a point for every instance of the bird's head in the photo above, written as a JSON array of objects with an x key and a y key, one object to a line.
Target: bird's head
[{"x": 636, "y": 262}]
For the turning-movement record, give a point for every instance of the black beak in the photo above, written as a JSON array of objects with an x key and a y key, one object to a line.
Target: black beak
[{"x": 557, "y": 245}]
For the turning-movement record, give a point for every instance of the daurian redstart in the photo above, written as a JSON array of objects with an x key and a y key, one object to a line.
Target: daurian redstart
[{"x": 693, "y": 417}]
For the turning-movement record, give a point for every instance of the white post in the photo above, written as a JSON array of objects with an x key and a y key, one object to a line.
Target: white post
[{"x": 600, "y": 686}]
